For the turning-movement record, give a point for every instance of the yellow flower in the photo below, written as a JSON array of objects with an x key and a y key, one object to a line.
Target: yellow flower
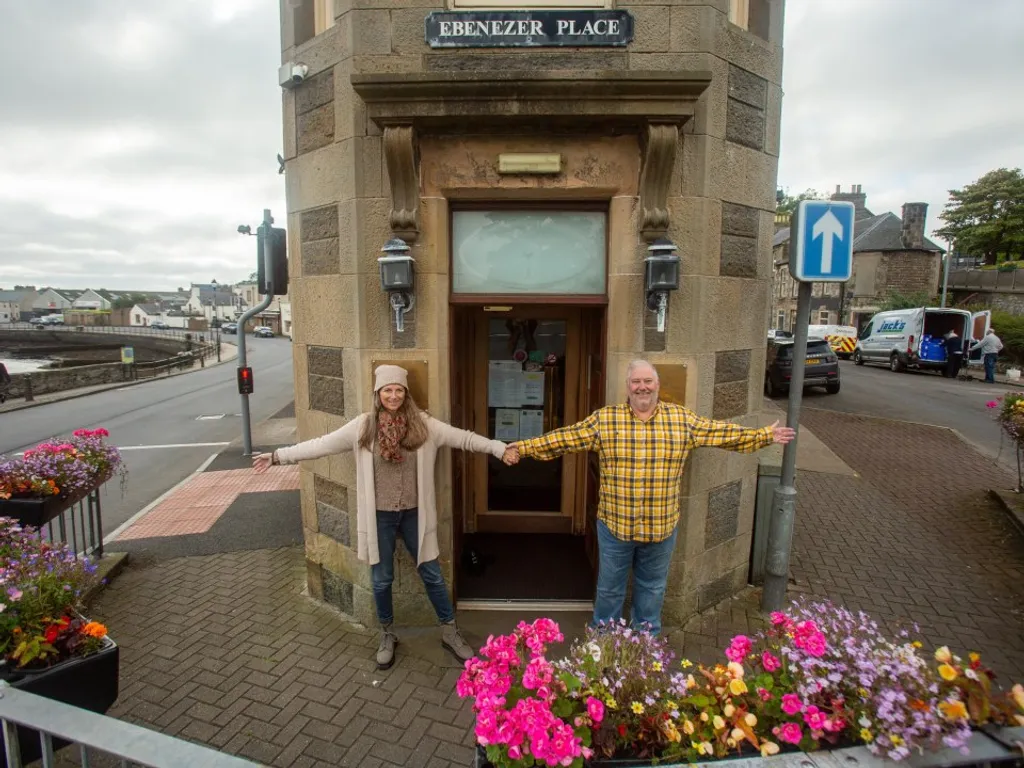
[
  {"x": 728, "y": 710},
  {"x": 1017, "y": 692},
  {"x": 671, "y": 704},
  {"x": 750, "y": 719},
  {"x": 718, "y": 723},
  {"x": 916, "y": 643},
  {"x": 704, "y": 717},
  {"x": 737, "y": 734},
  {"x": 737, "y": 687},
  {"x": 942, "y": 655},
  {"x": 670, "y": 731},
  {"x": 688, "y": 727},
  {"x": 769, "y": 748},
  {"x": 974, "y": 657},
  {"x": 704, "y": 748},
  {"x": 865, "y": 735},
  {"x": 730, "y": 742},
  {"x": 862, "y": 692},
  {"x": 686, "y": 663},
  {"x": 637, "y": 707},
  {"x": 895, "y": 739},
  {"x": 953, "y": 710},
  {"x": 691, "y": 682},
  {"x": 656, "y": 666},
  {"x": 947, "y": 672}
]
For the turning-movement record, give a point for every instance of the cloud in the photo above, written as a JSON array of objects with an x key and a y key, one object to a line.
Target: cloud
[
  {"x": 909, "y": 98},
  {"x": 138, "y": 135}
]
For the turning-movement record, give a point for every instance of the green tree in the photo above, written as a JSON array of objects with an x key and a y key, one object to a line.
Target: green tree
[
  {"x": 129, "y": 301},
  {"x": 789, "y": 203},
  {"x": 897, "y": 300},
  {"x": 986, "y": 217}
]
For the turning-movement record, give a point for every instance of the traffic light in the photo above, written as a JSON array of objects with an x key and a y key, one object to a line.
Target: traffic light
[
  {"x": 277, "y": 242},
  {"x": 245, "y": 381}
]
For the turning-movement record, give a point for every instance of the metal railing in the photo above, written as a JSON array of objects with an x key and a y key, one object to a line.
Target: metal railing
[
  {"x": 93, "y": 733},
  {"x": 80, "y": 526},
  {"x": 120, "y": 330},
  {"x": 986, "y": 280}
]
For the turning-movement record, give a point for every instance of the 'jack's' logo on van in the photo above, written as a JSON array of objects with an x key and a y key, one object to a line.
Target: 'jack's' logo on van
[{"x": 892, "y": 326}]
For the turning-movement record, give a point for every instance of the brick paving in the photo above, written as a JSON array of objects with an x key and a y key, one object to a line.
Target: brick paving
[{"x": 227, "y": 650}]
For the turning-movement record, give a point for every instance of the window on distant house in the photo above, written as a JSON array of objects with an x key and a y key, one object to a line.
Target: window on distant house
[
  {"x": 780, "y": 320},
  {"x": 822, "y": 317}
]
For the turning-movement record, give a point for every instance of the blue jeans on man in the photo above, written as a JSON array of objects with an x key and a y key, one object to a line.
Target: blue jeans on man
[
  {"x": 648, "y": 560},
  {"x": 391, "y": 525},
  {"x": 990, "y": 367}
]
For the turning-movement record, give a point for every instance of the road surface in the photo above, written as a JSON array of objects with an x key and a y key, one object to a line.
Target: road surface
[
  {"x": 923, "y": 397},
  {"x": 165, "y": 428}
]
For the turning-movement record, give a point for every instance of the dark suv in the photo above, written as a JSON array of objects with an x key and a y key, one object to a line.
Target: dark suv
[{"x": 822, "y": 367}]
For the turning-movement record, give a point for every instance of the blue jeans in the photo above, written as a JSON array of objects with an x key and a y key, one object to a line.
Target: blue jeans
[
  {"x": 990, "y": 366},
  {"x": 389, "y": 526},
  {"x": 649, "y": 561}
]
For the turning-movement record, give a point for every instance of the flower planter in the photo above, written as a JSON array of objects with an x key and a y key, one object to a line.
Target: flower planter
[
  {"x": 88, "y": 682},
  {"x": 39, "y": 511}
]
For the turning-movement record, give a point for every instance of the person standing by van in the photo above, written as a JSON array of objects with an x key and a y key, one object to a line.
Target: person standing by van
[
  {"x": 989, "y": 347},
  {"x": 954, "y": 354}
]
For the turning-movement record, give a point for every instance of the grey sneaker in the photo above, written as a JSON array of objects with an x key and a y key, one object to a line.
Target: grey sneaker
[
  {"x": 453, "y": 640},
  {"x": 386, "y": 648}
]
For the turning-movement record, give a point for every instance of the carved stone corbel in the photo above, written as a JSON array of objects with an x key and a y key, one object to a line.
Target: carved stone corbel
[
  {"x": 403, "y": 171},
  {"x": 659, "y": 156}
]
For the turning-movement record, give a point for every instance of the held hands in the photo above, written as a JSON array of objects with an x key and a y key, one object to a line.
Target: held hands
[
  {"x": 782, "y": 435},
  {"x": 511, "y": 456},
  {"x": 261, "y": 462}
]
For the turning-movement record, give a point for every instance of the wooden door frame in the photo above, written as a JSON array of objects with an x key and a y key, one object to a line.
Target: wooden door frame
[{"x": 512, "y": 521}]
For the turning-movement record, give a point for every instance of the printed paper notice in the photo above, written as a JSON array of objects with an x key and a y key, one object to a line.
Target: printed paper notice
[
  {"x": 506, "y": 425},
  {"x": 533, "y": 388},
  {"x": 504, "y": 384},
  {"x": 531, "y": 423}
]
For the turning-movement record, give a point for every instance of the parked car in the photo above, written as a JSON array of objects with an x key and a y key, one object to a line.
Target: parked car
[
  {"x": 778, "y": 333},
  {"x": 49, "y": 320},
  {"x": 821, "y": 367},
  {"x": 229, "y": 328},
  {"x": 160, "y": 325},
  {"x": 912, "y": 338},
  {"x": 263, "y": 332}
]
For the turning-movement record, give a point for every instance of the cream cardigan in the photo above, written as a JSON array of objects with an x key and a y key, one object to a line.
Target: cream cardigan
[{"x": 439, "y": 434}]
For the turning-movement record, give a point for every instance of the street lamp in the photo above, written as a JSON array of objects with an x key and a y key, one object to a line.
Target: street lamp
[
  {"x": 396, "y": 278},
  {"x": 661, "y": 275}
]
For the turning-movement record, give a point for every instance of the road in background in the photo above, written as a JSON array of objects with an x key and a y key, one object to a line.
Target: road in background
[{"x": 166, "y": 428}]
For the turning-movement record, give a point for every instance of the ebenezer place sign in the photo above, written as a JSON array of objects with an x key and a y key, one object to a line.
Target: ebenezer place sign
[{"x": 528, "y": 29}]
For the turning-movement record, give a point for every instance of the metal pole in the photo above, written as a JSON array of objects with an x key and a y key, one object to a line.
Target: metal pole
[
  {"x": 262, "y": 254},
  {"x": 945, "y": 275},
  {"x": 780, "y": 531}
]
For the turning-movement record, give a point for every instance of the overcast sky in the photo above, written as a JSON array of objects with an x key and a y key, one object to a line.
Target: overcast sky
[{"x": 139, "y": 134}]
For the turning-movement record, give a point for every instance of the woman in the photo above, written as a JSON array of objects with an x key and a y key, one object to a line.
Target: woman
[{"x": 395, "y": 449}]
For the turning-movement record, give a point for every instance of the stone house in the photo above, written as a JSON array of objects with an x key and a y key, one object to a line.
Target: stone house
[
  {"x": 890, "y": 254},
  {"x": 529, "y": 175}
]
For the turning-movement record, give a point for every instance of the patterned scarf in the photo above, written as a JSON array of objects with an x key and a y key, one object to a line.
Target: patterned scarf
[{"x": 391, "y": 429}]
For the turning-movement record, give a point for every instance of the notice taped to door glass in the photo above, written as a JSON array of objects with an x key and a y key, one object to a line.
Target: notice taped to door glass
[
  {"x": 531, "y": 423},
  {"x": 506, "y": 425},
  {"x": 504, "y": 384}
]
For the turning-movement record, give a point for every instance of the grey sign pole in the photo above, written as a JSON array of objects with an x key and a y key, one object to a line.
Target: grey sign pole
[
  {"x": 780, "y": 532},
  {"x": 262, "y": 255}
]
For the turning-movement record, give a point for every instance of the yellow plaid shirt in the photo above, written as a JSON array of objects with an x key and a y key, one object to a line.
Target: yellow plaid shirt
[{"x": 642, "y": 461}]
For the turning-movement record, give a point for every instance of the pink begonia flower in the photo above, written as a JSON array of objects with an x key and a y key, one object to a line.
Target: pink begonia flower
[
  {"x": 769, "y": 662},
  {"x": 515, "y": 753},
  {"x": 765, "y": 694},
  {"x": 815, "y": 645},
  {"x": 816, "y": 719},
  {"x": 791, "y": 704},
  {"x": 790, "y": 733},
  {"x": 992, "y": 404},
  {"x": 738, "y": 648},
  {"x": 595, "y": 708}
]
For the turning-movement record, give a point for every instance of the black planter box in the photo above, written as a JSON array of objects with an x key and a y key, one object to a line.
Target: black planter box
[
  {"x": 37, "y": 512},
  {"x": 88, "y": 682}
]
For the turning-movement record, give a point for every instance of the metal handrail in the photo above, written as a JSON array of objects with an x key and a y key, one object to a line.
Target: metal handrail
[
  {"x": 132, "y": 744},
  {"x": 121, "y": 330}
]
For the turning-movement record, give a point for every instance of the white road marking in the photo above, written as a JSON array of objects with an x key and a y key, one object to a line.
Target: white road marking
[
  {"x": 212, "y": 416},
  {"x": 168, "y": 446},
  {"x": 153, "y": 504}
]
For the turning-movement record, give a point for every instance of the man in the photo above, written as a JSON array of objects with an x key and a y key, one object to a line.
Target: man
[
  {"x": 643, "y": 445},
  {"x": 954, "y": 354},
  {"x": 989, "y": 348}
]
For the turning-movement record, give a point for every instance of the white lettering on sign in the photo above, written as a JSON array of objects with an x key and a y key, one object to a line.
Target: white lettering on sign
[{"x": 526, "y": 27}]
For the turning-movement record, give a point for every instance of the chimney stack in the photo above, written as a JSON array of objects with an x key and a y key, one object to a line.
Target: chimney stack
[
  {"x": 855, "y": 196},
  {"x": 912, "y": 233}
]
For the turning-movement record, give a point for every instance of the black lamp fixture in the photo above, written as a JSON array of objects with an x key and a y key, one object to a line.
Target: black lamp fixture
[
  {"x": 396, "y": 278},
  {"x": 661, "y": 275}
]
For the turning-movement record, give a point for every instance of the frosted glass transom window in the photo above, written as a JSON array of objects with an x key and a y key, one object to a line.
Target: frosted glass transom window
[{"x": 547, "y": 252}]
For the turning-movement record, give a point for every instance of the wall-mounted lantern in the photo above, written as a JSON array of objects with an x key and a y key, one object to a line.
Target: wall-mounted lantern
[
  {"x": 661, "y": 275},
  {"x": 396, "y": 278}
]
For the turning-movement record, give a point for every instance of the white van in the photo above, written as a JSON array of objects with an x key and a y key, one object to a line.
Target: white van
[
  {"x": 912, "y": 338},
  {"x": 842, "y": 338}
]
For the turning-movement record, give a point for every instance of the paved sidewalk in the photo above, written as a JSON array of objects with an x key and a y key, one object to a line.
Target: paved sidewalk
[{"x": 228, "y": 650}]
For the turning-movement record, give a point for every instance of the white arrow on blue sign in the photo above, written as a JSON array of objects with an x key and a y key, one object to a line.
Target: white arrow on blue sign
[{"x": 821, "y": 247}]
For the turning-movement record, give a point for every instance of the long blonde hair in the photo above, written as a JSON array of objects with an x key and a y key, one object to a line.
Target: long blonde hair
[{"x": 415, "y": 424}]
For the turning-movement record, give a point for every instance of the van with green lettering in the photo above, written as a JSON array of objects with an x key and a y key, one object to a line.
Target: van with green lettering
[{"x": 912, "y": 338}]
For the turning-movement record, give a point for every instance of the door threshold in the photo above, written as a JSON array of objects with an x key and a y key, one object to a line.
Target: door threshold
[{"x": 564, "y": 606}]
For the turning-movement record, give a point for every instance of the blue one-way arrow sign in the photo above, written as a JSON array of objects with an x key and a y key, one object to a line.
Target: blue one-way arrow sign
[{"x": 822, "y": 241}]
